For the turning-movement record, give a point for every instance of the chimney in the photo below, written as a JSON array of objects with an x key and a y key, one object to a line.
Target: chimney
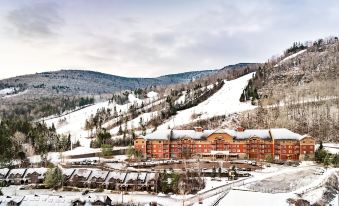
[
  {"x": 198, "y": 129},
  {"x": 239, "y": 129}
]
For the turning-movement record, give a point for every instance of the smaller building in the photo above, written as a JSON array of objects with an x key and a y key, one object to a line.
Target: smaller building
[
  {"x": 35, "y": 175},
  {"x": 16, "y": 176},
  {"x": 80, "y": 178},
  {"x": 97, "y": 179},
  {"x": 11, "y": 200}
]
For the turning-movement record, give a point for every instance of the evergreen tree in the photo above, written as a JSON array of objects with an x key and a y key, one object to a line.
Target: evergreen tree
[{"x": 53, "y": 178}]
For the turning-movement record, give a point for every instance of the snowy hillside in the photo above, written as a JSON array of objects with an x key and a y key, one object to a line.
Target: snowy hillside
[
  {"x": 74, "y": 122},
  {"x": 223, "y": 102}
]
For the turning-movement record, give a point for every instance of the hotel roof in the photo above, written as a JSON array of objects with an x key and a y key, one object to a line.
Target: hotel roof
[{"x": 275, "y": 133}]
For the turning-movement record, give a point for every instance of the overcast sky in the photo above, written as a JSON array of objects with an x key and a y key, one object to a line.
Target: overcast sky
[{"x": 153, "y": 37}]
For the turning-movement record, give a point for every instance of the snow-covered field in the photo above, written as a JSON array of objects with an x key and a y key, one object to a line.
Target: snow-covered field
[{"x": 223, "y": 102}]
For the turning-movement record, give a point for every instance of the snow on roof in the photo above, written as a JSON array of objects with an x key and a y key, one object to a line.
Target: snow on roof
[
  {"x": 67, "y": 171},
  {"x": 99, "y": 174},
  {"x": 82, "y": 172},
  {"x": 282, "y": 133},
  {"x": 6, "y": 199},
  {"x": 142, "y": 176},
  {"x": 4, "y": 171},
  {"x": 20, "y": 171},
  {"x": 41, "y": 171},
  {"x": 116, "y": 175},
  {"x": 177, "y": 134},
  {"x": 94, "y": 198},
  {"x": 150, "y": 176},
  {"x": 276, "y": 133},
  {"x": 55, "y": 200},
  {"x": 248, "y": 133},
  {"x": 131, "y": 176}
]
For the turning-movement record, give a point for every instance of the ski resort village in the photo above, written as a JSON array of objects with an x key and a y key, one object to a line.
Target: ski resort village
[{"x": 167, "y": 103}]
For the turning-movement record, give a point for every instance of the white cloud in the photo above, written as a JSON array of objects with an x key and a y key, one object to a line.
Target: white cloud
[{"x": 150, "y": 38}]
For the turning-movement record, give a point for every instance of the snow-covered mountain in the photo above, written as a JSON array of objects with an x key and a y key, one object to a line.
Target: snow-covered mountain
[{"x": 225, "y": 101}]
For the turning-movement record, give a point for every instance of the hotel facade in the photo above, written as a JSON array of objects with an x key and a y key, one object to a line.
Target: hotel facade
[{"x": 256, "y": 144}]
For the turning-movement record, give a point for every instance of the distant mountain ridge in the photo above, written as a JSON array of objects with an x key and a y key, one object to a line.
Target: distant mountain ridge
[
  {"x": 83, "y": 82},
  {"x": 92, "y": 82}
]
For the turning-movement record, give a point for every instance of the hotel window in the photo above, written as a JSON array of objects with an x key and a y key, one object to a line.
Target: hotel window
[
  {"x": 136, "y": 142},
  {"x": 238, "y": 150}
]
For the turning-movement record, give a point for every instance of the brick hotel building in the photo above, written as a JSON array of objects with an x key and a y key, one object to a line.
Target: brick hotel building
[{"x": 258, "y": 144}]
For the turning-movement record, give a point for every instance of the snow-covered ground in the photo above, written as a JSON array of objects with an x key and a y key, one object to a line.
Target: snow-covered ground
[
  {"x": 239, "y": 195},
  {"x": 246, "y": 198},
  {"x": 331, "y": 147},
  {"x": 7, "y": 91},
  {"x": 135, "y": 123},
  {"x": 223, "y": 102},
  {"x": 74, "y": 122}
]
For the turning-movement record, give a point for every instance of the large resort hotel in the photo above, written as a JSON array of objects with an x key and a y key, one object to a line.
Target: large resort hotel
[{"x": 226, "y": 144}]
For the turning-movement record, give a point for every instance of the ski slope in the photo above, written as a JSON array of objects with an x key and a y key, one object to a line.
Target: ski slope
[
  {"x": 223, "y": 102},
  {"x": 290, "y": 57},
  {"x": 73, "y": 123}
]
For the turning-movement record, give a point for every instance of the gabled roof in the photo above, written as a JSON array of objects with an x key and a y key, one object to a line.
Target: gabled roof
[
  {"x": 99, "y": 174},
  {"x": 4, "y": 171},
  {"x": 116, "y": 175},
  {"x": 41, "y": 171},
  {"x": 131, "y": 176},
  {"x": 82, "y": 173},
  {"x": 20, "y": 171},
  {"x": 4, "y": 200}
]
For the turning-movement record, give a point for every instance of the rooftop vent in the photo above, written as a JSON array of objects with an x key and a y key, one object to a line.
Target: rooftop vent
[{"x": 198, "y": 129}]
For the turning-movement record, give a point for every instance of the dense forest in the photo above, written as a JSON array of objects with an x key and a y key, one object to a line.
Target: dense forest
[{"x": 20, "y": 138}]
